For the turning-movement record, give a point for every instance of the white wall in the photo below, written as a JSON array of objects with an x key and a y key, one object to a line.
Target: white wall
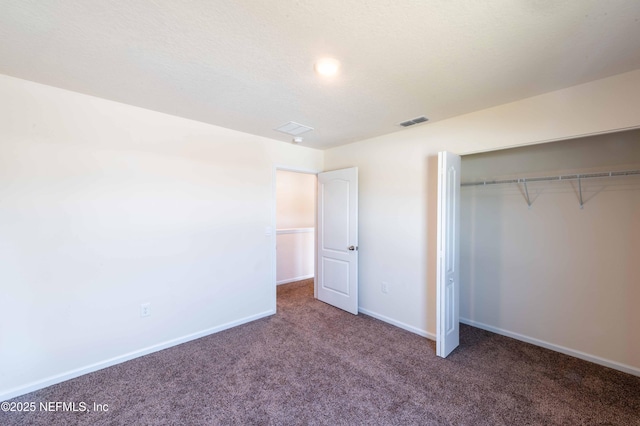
[
  {"x": 105, "y": 206},
  {"x": 295, "y": 259},
  {"x": 295, "y": 200},
  {"x": 554, "y": 274},
  {"x": 398, "y": 183},
  {"x": 295, "y": 220}
]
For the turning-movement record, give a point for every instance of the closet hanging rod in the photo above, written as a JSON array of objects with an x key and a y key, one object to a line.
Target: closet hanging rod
[{"x": 554, "y": 178}]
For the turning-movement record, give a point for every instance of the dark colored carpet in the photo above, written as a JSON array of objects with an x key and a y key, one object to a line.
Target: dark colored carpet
[{"x": 314, "y": 364}]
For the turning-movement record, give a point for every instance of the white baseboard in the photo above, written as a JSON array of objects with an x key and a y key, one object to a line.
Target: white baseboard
[
  {"x": 399, "y": 324},
  {"x": 40, "y": 384},
  {"x": 567, "y": 351},
  {"x": 291, "y": 280}
]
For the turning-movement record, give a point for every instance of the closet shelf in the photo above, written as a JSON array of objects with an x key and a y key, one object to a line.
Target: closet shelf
[{"x": 552, "y": 178}]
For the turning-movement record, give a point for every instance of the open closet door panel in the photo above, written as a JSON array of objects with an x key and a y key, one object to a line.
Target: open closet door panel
[{"x": 448, "y": 269}]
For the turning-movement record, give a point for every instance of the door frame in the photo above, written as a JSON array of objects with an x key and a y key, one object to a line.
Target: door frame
[{"x": 273, "y": 234}]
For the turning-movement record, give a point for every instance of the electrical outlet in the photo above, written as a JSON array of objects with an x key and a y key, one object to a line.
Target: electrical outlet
[
  {"x": 384, "y": 287},
  {"x": 145, "y": 309}
]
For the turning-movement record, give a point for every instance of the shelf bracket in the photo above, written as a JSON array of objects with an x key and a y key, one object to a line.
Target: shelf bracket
[
  {"x": 580, "y": 191},
  {"x": 526, "y": 191}
]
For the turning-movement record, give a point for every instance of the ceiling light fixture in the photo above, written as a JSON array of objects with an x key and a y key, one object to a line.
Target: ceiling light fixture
[{"x": 327, "y": 67}]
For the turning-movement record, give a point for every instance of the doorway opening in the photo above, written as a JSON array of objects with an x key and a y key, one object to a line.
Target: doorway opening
[{"x": 295, "y": 225}]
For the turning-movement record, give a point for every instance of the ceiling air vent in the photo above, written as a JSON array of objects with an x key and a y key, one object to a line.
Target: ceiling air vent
[
  {"x": 293, "y": 129},
  {"x": 413, "y": 121}
]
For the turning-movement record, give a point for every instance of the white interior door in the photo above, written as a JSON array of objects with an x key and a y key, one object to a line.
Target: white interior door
[
  {"x": 448, "y": 270},
  {"x": 338, "y": 239}
]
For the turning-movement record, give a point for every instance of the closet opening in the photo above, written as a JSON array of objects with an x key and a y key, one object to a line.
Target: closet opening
[{"x": 548, "y": 237}]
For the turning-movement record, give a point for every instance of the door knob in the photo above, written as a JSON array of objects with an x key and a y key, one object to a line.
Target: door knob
[{"x": 352, "y": 248}]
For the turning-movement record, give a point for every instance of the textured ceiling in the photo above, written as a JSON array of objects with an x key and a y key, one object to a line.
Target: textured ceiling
[{"x": 248, "y": 64}]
